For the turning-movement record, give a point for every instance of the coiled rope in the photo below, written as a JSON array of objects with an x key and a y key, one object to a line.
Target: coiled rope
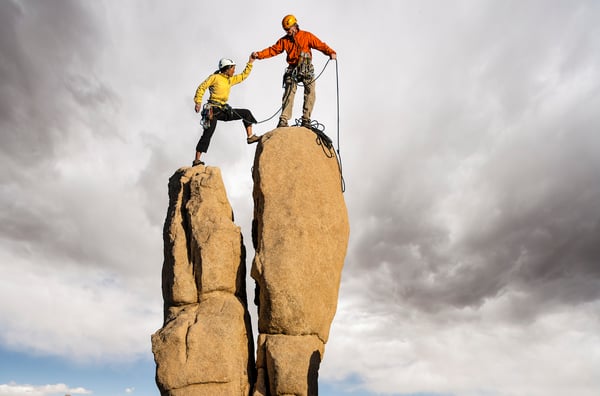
[{"x": 319, "y": 129}]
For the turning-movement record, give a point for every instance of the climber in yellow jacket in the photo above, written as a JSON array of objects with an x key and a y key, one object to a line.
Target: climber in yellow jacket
[
  {"x": 297, "y": 45},
  {"x": 216, "y": 109}
]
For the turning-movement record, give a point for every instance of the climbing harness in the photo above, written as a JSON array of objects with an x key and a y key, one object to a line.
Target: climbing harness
[
  {"x": 304, "y": 71},
  {"x": 207, "y": 112},
  {"x": 224, "y": 107},
  {"x": 312, "y": 73}
]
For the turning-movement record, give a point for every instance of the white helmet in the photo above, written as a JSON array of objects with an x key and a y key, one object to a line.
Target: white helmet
[{"x": 225, "y": 62}]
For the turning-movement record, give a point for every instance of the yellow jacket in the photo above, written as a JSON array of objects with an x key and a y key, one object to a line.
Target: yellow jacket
[{"x": 220, "y": 84}]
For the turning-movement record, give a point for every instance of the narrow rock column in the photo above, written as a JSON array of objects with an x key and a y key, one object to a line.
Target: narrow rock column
[
  {"x": 300, "y": 234},
  {"x": 205, "y": 346}
]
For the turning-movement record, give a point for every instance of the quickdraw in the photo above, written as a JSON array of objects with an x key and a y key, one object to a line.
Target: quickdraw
[{"x": 207, "y": 115}]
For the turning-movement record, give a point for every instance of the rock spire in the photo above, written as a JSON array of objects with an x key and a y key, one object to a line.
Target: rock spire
[
  {"x": 300, "y": 234},
  {"x": 205, "y": 346}
]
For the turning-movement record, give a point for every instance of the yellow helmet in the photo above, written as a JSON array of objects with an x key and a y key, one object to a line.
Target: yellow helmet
[{"x": 288, "y": 21}]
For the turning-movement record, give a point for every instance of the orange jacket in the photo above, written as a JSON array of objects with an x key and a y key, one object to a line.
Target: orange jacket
[{"x": 302, "y": 42}]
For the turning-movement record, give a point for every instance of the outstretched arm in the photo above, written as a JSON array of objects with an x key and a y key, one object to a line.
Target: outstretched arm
[
  {"x": 238, "y": 78},
  {"x": 273, "y": 50}
]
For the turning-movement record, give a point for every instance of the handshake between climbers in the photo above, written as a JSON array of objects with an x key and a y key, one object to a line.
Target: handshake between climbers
[{"x": 297, "y": 44}]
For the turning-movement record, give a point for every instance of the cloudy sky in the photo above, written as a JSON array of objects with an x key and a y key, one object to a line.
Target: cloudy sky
[{"x": 469, "y": 133}]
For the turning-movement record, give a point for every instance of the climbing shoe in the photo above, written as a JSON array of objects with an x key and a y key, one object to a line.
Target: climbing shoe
[
  {"x": 252, "y": 139},
  {"x": 282, "y": 123},
  {"x": 305, "y": 123},
  {"x": 197, "y": 162}
]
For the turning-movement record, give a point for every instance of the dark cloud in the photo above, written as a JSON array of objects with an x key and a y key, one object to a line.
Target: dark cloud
[
  {"x": 50, "y": 95},
  {"x": 47, "y": 78},
  {"x": 496, "y": 189},
  {"x": 13, "y": 68}
]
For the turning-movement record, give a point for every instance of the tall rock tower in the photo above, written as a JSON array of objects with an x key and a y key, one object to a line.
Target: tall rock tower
[
  {"x": 300, "y": 234},
  {"x": 205, "y": 347}
]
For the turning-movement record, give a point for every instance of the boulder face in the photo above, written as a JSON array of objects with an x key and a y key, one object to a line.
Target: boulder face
[
  {"x": 205, "y": 346},
  {"x": 300, "y": 234}
]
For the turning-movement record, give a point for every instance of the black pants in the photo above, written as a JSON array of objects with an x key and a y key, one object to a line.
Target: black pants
[{"x": 222, "y": 114}]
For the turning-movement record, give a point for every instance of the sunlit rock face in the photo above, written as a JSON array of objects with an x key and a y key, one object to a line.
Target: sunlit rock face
[
  {"x": 300, "y": 234},
  {"x": 205, "y": 346}
]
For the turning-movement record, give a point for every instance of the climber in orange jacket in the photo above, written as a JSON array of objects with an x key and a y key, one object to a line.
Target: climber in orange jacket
[{"x": 297, "y": 45}]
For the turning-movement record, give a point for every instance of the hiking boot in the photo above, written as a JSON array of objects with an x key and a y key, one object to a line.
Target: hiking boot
[
  {"x": 305, "y": 123},
  {"x": 252, "y": 139},
  {"x": 282, "y": 123},
  {"x": 197, "y": 162}
]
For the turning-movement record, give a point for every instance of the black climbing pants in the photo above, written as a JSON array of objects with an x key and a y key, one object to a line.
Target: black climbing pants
[{"x": 223, "y": 114}]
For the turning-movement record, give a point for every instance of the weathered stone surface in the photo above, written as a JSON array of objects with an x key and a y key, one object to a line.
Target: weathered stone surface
[
  {"x": 205, "y": 346},
  {"x": 198, "y": 211},
  {"x": 300, "y": 234},
  {"x": 289, "y": 363}
]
